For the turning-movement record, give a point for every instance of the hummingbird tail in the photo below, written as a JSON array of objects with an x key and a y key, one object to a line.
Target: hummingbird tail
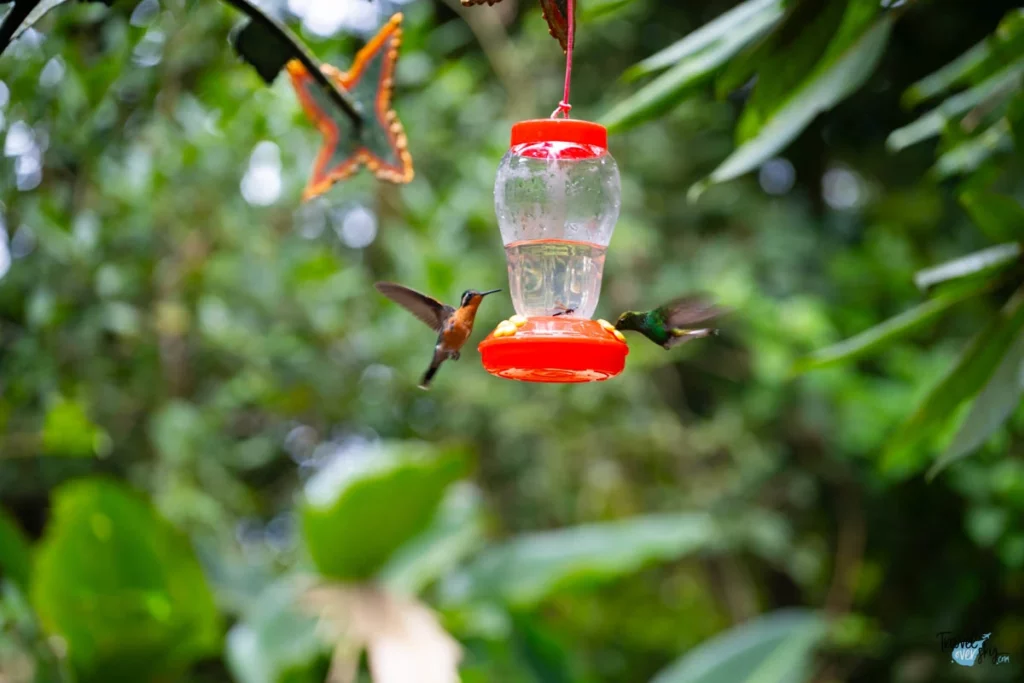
[
  {"x": 429, "y": 375},
  {"x": 682, "y": 336}
]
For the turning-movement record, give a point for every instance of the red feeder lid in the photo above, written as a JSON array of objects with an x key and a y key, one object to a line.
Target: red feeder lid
[
  {"x": 555, "y": 349},
  {"x": 560, "y": 130}
]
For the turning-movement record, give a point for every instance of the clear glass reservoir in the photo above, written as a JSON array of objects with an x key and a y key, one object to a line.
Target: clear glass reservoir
[{"x": 557, "y": 198}]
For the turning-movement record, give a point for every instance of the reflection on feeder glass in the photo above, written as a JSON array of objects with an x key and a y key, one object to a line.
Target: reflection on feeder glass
[
  {"x": 555, "y": 277},
  {"x": 557, "y": 204}
]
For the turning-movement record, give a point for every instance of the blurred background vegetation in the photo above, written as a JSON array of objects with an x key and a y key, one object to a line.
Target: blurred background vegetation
[{"x": 214, "y": 460}]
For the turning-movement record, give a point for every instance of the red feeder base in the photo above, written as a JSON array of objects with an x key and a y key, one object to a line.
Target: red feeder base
[{"x": 555, "y": 349}]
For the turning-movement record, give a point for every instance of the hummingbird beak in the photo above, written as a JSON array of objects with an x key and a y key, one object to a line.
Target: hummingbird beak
[{"x": 493, "y": 291}]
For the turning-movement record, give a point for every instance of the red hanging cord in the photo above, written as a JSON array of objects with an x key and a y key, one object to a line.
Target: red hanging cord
[{"x": 564, "y": 107}]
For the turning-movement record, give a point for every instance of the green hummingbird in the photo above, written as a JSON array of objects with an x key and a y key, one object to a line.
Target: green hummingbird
[{"x": 678, "y": 321}]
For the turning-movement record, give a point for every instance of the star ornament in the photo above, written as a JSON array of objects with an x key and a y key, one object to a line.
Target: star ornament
[{"x": 380, "y": 143}]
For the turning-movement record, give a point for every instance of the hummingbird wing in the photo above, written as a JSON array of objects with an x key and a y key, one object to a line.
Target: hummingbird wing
[
  {"x": 691, "y": 310},
  {"x": 429, "y": 310}
]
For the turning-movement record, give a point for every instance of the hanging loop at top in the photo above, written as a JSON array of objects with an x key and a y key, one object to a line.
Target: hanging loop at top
[{"x": 564, "y": 107}]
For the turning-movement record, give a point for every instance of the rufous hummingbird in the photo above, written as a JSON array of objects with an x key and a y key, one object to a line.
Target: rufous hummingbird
[
  {"x": 678, "y": 321},
  {"x": 453, "y": 325}
]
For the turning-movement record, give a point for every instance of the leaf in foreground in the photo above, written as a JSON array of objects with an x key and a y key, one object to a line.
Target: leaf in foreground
[
  {"x": 666, "y": 91},
  {"x": 828, "y": 85},
  {"x": 889, "y": 331},
  {"x": 707, "y": 36},
  {"x": 992, "y": 407},
  {"x": 773, "y": 648},
  {"x": 998, "y": 216},
  {"x": 528, "y": 568},
  {"x": 362, "y": 507},
  {"x": 121, "y": 586},
  {"x": 979, "y": 263},
  {"x": 275, "y": 642},
  {"x": 965, "y": 379},
  {"x": 15, "y": 553}
]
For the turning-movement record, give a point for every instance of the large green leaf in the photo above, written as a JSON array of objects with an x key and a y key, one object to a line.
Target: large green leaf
[
  {"x": 1001, "y": 85},
  {"x": 969, "y": 155},
  {"x": 975, "y": 65},
  {"x": 794, "y": 50},
  {"x": 68, "y": 431},
  {"x": 121, "y": 586},
  {"x": 843, "y": 70},
  {"x": 995, "y": 403},
  {"x": 361, "y": 508},
  {"x": 998, "y": 216},
  {"x": 457, "y": 531},
  {"x": 957, "y": 71},
  {"x": 773, "y": 648},
  {"x": 892, "y": 329},
  {"x": 275, "y": 642},
  {"x": 722, "y": 29},
  {"x": 980, "y": 263},
  {"x": 15, "y": 553},
  {"x": 528, "y": 568},
  {"x": 965, "y": 379},
  {"x": 666, "y": 91}
]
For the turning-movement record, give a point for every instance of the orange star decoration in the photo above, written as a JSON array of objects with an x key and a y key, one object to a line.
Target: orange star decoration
[{"x": 380, "y": 143}]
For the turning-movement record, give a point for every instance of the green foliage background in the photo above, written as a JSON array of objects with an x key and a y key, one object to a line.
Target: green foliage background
[{"x": 203, "y": 401}]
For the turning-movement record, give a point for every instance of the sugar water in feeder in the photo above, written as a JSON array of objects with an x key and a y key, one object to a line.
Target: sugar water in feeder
[{"x": 557, "y": 198}]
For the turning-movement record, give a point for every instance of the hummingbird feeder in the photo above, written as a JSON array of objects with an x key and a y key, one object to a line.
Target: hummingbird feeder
[{"x": 557, "y": 198}]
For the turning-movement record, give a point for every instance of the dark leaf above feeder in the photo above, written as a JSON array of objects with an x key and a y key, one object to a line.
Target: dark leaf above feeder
[
  {"x": 556, "y": 12},
  {"x": 379, "y": 142}
]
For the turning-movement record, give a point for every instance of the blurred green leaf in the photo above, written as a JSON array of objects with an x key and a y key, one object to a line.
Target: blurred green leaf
[
  {"x": 964, "y": 380},
  {"x": 1001, "y": 85},
  {"x": 543, "y": 652},
  {"x": 15, "y": 553},
  {"x": 892, "y": 329},
  {"x": 666, "y": 91},
  {"x": 26, "y": 13},
  {"x": 738, "y": 20},
  {"x": 362, "y": 507},
  {"x": 1015, "y": 116},
  {"x": 121, "y": 586},
  {"x": 948, "y": 76},
  {"x": 68, "y": 431},
  {"x": 457, "y": 531},
  {"x": 601, "y": 9},
  {"x": 790, "y": 55},
  {"x": 983, "y": 262},
  {"x": 982, "y": 60},
  {"x": 773, "y": 648},
  {"x": 276, "y": 643},
  {"x": 842, "y": 71},
  {"x": 998, "y": 216},
  {"x": 528, "y": 568},
  {"x": 968, "y": 156},
  {"x": 995, "y": 403}
]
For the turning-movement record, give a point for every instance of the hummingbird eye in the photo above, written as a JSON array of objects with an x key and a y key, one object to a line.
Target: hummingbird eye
[{"x": 466, "y": 296}]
